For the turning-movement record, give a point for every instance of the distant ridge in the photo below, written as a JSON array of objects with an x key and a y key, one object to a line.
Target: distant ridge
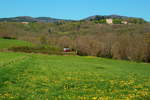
[
  {"x": 31, "y": 19},
  {"x": 99, "y": 17},
  {"x": 50, "y": 19}
]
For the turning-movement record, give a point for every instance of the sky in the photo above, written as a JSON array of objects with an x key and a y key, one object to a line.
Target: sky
[{"x": 74, "y": 9}]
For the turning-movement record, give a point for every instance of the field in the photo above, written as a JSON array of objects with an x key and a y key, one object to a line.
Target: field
[
  {"x": 8, "y": 43},
  {"x": 43, "y": 77}
]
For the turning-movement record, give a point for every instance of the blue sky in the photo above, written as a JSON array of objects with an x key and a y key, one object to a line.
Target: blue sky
[{"x": 74, "y": 9}]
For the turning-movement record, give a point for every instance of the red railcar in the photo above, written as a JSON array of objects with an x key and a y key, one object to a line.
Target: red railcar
[{"x": 67, "y": 50}]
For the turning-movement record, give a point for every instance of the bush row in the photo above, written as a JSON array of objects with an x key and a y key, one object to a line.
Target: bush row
[{"x": 38, "y": 49}]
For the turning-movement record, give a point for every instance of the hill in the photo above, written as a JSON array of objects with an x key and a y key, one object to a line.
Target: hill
[
  {"x": 49, "y": 19},
  {"x": 117, "y": 19},
  {"x": 30, "y": 19},
  {"x": 108, "y": 40},
  {"x": 99, "y": 17}
]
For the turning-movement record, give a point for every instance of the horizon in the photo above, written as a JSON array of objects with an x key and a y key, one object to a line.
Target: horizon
[
  {"x": 74, "y": 10},
  {"x": 75, "y": 19}
]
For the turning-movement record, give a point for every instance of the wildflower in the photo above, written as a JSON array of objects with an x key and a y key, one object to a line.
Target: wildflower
[
  {"x": 11, "y": 97},
  {"x": 94, "y": 98}
]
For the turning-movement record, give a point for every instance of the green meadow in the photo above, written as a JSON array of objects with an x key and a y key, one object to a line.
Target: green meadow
[
  {"x": 8, "y": 43},
  {"x": 43, "y": 77}
]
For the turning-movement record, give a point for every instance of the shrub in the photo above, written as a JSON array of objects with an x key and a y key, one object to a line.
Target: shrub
[{"x": 40, "y": 49}]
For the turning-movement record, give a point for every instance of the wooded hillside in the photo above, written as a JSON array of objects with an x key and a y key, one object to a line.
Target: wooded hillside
[{"x": 119, "y": 41}]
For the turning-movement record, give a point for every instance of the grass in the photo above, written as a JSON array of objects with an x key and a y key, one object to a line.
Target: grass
[
  {"x": 42, "y": 77},
  {"x": 8, "y": 43},
  {"x": 24, "y": 46}
]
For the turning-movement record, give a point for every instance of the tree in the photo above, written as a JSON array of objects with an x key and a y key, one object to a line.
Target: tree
[
  {"x": 43, "y": 40},
  {"x": 102, "y": 21},
  {"x": 117, "y": 21}
]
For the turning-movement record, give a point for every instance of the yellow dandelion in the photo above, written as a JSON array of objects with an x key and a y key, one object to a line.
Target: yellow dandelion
[
  {"x": 11, "y": 97},
  {"x": 94, "y": 98}
]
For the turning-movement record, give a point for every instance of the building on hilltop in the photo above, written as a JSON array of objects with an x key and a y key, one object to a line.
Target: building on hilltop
[
  {"x": 25, "y": 22},
  {"x": 109, "y": 21},
  {"x": 124, "y": 22}
]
